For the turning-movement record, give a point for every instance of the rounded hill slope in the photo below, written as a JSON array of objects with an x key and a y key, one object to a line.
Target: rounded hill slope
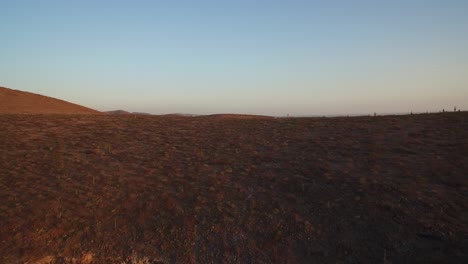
[{"x": 19, "y": 102}]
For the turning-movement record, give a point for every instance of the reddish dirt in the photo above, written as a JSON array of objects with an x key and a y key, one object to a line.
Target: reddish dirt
[
  {"x": 19, "y": 102},
  {"x": 152, "y": 189}
]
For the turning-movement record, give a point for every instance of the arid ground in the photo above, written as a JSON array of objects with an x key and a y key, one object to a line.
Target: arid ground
[{"x": 221, "y": 189}]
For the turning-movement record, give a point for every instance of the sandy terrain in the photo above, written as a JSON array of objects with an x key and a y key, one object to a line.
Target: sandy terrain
[
  {"x": 19, "y": 102},
  {"x": 152, "y": 189}
]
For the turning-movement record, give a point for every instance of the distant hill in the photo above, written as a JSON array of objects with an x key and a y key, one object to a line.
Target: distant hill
[
  {"x": 123, "y": 112},
  {"x": 240, "y": 116},
  {"x": 20, "y": 102},
  {"x": 141, "y": 113},
  {"x": 118, "y": 112}
]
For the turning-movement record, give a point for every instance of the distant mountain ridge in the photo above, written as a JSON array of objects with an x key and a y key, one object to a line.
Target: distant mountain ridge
[
  {"x": 118, "y": 112},
  {"x": 123, "y": 112},
  {"x": 239, "y": 116},
  {"x": 21, "y": 102}
]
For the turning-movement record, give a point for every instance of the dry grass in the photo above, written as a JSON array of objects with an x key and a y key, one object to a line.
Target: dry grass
[{"x": 205, "y": 189}]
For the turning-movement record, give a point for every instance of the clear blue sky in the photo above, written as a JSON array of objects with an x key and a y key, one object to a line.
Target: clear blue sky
[{"x": 259, "y": 57}]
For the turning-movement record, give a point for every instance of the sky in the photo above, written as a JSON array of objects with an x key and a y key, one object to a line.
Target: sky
[{"x": 269, "y": 57}]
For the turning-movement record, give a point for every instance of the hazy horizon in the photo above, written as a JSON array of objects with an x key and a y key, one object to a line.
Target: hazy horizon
[{"x": 303, "y": 58}]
